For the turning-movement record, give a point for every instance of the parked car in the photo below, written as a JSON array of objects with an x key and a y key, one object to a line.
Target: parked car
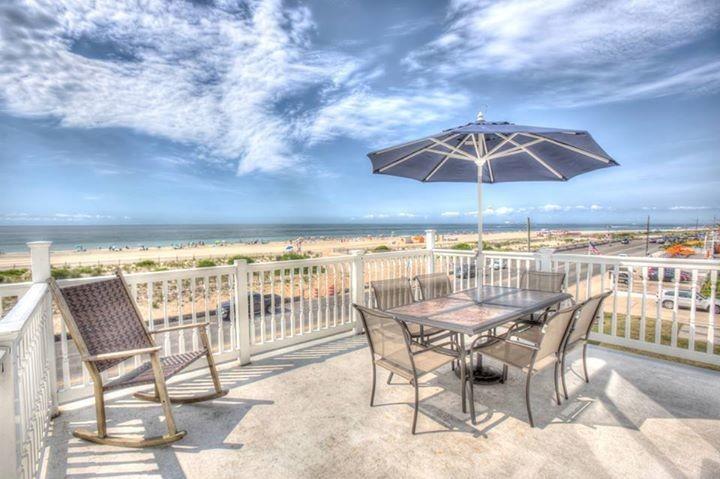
[
  {"x": 685, "y": 300},
  {"x": 499, "y": 263},
  {"x": 257, "y": 300},
  {"x": 465, "y": 271},
  {"x": 668, "y": 274},
  {"x": 625, "y": 241},
  {"x": 624, "y": 275}
]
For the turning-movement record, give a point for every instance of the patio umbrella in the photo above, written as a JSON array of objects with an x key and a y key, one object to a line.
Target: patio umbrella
[{"x": 493, "y": 152}]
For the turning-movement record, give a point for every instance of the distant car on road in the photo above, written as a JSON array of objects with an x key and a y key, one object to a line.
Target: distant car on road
[
  {"x": 465, "y": 271},
  {"x": 625, "y": 241},
  {"x": 668, "y": 274},
  {"x": 685, "y": 300},
  {"x": 257, "y": 300}
]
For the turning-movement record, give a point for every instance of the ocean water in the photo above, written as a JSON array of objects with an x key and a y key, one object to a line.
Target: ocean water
[{"x": 13, "y": 238}]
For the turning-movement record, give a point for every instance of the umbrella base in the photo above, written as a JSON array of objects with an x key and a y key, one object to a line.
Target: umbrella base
[{"x": 483, "y": 375}]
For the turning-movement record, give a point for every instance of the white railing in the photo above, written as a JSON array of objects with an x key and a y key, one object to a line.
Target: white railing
[
  {"x": 254, "y": 308},
  {"x": 28, "y": 393},
  {"x": 646, "y": 310}
]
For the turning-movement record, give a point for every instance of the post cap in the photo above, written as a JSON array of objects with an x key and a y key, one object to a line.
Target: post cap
[{"x": 38, "y": 244}]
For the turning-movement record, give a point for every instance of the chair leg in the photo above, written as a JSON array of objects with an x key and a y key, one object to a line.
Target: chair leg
[
  {"x": 555, "y": 380},
  {"x": 162, "y": 390},
  {"x": 390, "y": 376},
  {"x": 527, "y": 399},
  {"x": 471, "y": 399},
  {"x": 417, "y": 405},
  {"x": 562, "y": 375},
  {"x": 102, "y": 437},
  {"x": 585, "y": 369},
  {"x": 100, "y": 411},
  {"x": 504, "y": 374},
  {"x": 372, "y": 392}
]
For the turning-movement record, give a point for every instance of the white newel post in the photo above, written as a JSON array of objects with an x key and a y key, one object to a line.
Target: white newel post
[
  {"x": 543, "y": 259},
  {"x": 430, "y": 247},
  {"x": 242, "y": 310},
  {"x": 357, "y": 286},
  {"x": 40, "y": 270}
]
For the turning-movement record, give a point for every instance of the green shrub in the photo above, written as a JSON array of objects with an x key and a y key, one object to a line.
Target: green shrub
[
  {"x": 238, "y": 257},
  {"x": 15, "y": 275},
  {"x": 381, "y": 249},
  {"x": 206, "y": 263},
  {"x": 463, "y": 247},
  {"x": 291, "y": 257},
  {"x": 61, "y": 273},
  {"x": 146, "y": 263}
]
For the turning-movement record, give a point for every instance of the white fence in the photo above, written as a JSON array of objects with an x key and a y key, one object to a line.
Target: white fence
[
  {"x": 254, "y": 308},
  {"x": 28, "y": 394}
]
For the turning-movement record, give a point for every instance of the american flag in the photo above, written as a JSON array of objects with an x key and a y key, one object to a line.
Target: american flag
[{"x": 592, "y": 249}]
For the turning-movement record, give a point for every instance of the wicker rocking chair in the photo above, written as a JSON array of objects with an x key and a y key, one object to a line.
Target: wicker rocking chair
[{"x": 107, "y": 328}]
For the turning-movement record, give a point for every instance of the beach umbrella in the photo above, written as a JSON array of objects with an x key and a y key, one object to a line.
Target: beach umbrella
[{"x": 493, "y": 152}]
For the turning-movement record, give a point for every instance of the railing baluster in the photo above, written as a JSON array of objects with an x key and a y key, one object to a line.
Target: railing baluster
[
  {"x": 710, "y": 349},
  {"x": 693, "y": 309},
  {"x": 658, "y": 304},
  {"x": 642, "y": 335},
  {"x": 676, "y": 291}
]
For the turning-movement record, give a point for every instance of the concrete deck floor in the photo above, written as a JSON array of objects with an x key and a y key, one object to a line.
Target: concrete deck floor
[{"x": 305, "y": 414}]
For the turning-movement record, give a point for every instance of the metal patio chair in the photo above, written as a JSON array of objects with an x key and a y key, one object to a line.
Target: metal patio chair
[
  {"x": 107, "y": 328},
  {"x": 392, "y": 348},
  {"x": 393, "y": 293},
  {"x": 434, "y": 285},
  {"x": 579, "y": 332},
  {"x": 538, "y": 281},
  {"x": 530, "y": 358}
]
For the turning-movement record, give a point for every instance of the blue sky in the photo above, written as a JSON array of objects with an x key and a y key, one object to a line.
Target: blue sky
[{"x": 263, "y": 111}]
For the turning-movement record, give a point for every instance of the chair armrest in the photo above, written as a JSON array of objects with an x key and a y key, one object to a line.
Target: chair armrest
[
  {"x": 438, "y": 348},
  {"x": 177, "y": 328},
  {"x": 122, "y": 354}
]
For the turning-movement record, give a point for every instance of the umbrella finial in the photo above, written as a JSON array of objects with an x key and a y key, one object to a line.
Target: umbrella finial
[{"x": 480, "y": 117}]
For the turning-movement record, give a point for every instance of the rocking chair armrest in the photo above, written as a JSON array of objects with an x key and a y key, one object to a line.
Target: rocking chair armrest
[
  {"x": 122, "y": 354},
  {"x": 182, "y": 326}
]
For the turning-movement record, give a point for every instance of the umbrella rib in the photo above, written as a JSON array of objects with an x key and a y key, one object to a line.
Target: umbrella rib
[
  {"x": 536, "y": 158},
  {"x": 435, "y": 170},
  {"x": 480, "y": 165},
  {"x": 502, "y": 143},
  {"x": 409, "y": 156},
  {"x": 444, "y": 160},
  {"x": 490, "y": 170},
  {"x": 514, "y": 151},
  {"x": 571, "y": 148},
  {"x": 450, "y": 147}
]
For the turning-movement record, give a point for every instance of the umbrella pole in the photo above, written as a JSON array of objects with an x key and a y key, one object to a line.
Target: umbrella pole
[{"x": 479, "y": 260}]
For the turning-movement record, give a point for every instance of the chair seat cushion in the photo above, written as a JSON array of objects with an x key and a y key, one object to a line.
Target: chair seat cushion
[
  {"x": 425, "y": 362},
  {"x": 143, "y": 374}
]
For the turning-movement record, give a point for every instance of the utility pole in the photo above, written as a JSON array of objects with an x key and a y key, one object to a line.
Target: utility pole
[
  {"x": 528, "y": 234},
  {"x": 647, "y": 236}
]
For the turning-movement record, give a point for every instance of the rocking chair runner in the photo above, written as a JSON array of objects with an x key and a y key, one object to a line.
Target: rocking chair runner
[{"x": 107, "y": 328}]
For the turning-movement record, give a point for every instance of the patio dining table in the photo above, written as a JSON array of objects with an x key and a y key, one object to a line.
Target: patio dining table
[{"x": 474, "y": 311}]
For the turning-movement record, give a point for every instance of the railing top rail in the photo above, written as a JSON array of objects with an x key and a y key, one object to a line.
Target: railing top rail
[
  {"x": 639, "y": 261},
  {"x": 14, "y": 322},
  {"x": 396, "y": 254},
  {"x": 15, "y": 289},
  {"x": 297, "y": 263},
  {"x": 487, "y": 254}
]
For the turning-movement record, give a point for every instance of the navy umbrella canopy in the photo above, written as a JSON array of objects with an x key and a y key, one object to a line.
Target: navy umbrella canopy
[{"x": 493, "y": 152}]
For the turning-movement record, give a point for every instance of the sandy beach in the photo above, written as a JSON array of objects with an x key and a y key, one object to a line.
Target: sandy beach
[{"x": 314, "y": 247}]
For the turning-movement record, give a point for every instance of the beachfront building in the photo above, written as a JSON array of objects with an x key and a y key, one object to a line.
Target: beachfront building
[{"x": 290, "y": 348}]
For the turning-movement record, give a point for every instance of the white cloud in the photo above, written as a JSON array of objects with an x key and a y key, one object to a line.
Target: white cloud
[
  {"x": 595, "y": 207},
  {"x": 231, "y": 78},
  {"x": 450, "y": 214},
  {"x": 365, "y": 114},
  {"x": 551, "y": 207},
  {"x": 594, "y": 51},
  {"x": 689, "y": 208}
]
